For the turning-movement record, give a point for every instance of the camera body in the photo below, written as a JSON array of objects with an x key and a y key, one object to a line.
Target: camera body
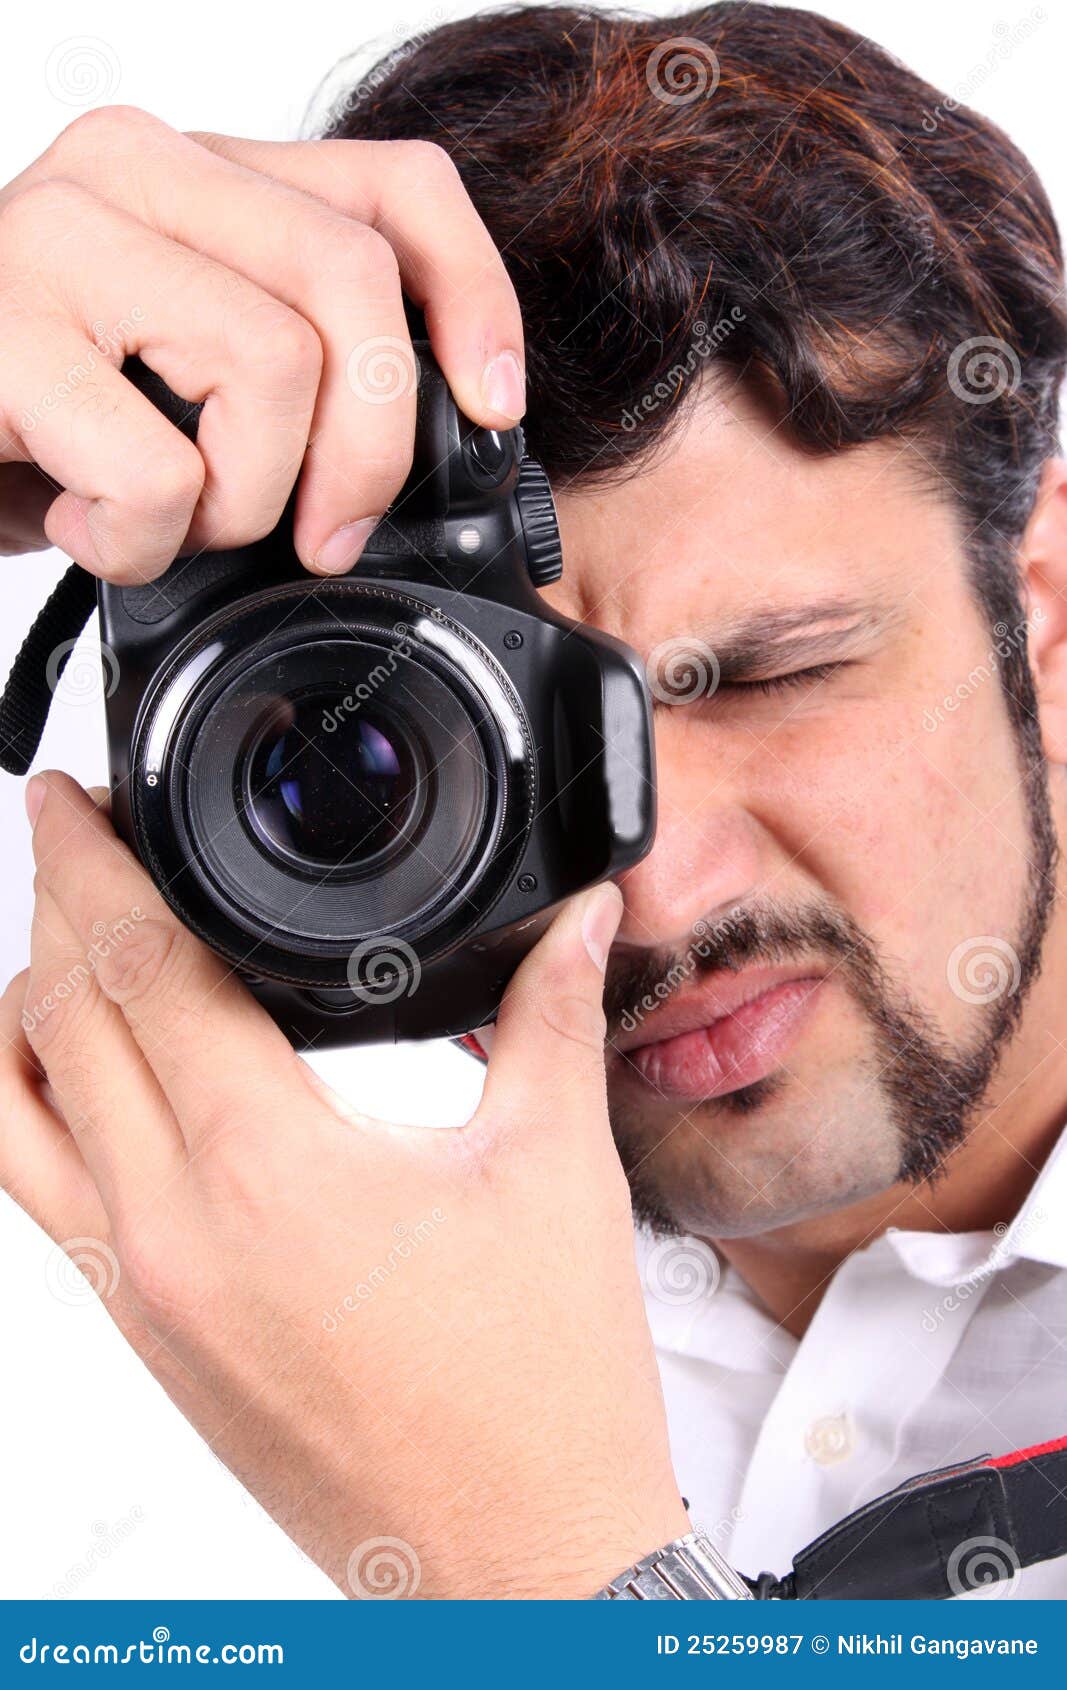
[{"x": 369, "y": 794}]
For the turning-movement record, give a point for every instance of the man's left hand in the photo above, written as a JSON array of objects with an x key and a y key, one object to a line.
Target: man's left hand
[{"x": 425, "y": 1352}]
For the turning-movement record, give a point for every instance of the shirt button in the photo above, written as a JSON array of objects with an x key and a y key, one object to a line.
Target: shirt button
[{"x": 830, "y": 1439}]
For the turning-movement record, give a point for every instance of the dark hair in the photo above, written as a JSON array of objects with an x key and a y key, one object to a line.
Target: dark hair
[{"x": 761, "y": 188}]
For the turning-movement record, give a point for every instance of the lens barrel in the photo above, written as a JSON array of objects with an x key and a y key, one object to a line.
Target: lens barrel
[{"x": 317, "y": 770}]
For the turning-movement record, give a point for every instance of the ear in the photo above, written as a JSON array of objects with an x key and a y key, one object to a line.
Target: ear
[{"x": 1043, "y": 561}]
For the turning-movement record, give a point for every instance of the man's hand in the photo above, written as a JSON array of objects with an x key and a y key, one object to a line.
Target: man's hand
[
  {"x": 264, "y": 278},
  {"x": 389, "y": 1333}
]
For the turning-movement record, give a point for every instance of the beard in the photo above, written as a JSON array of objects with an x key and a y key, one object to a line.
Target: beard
[{"x": 931, "y": 1088}]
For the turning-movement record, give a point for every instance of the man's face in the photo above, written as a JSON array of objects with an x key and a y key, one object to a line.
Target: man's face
[{"x": 826, "y": 947}]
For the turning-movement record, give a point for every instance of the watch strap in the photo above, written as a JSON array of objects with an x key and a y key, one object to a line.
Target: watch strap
[{"x": 688, "y": 1570}]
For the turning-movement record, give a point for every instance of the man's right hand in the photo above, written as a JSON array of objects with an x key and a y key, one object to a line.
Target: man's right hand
[{"x": 264, "y": 278}]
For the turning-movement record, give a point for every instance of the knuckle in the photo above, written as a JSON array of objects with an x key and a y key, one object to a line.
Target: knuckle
[
  {"x": 103, "y": 129},
  {"x": 163, "y": 1286},
  {"x": 149, "y": 957},
  {"x": 42, "y": 209},
  {"x": 170, "y": 484},
  {"x": 383, "y": 475},
  {"x": 137, "y": 530},
  {"x": 283, "y": 343},
  {"x": 342, "y": 247},
  {"x": 429, "y": 167}
]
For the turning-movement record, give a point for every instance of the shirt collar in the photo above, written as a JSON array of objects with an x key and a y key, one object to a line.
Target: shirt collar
[
  {"x": 721, "y": 1318},
  {"x": 1037, "y": 1234}
]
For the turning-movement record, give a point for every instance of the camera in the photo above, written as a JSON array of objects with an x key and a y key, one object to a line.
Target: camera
[{"x": 369, "y": 794}]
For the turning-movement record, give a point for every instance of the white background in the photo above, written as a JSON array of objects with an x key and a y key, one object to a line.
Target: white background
[{"x": 105, "y": 1491}]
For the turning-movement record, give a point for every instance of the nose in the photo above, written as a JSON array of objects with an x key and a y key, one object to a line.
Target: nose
[{"x": 708, "y": 852}]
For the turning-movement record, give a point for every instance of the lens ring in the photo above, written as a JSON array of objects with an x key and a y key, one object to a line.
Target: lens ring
[
  {"x": 324, "y": 904},
  {"x": 272, "y": 621}
]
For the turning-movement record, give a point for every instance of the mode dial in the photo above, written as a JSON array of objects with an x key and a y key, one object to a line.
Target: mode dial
[{"x": 544, "y": 551}]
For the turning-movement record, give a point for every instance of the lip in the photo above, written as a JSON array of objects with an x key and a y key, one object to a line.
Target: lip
[{"x": 731, "y": 1031}]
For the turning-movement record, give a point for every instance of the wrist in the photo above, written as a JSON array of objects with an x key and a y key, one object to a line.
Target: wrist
[{"x": 583, "y": 1559}]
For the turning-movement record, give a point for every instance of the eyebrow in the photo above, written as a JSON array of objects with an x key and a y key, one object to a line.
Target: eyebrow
[{"x": 802, "y": 634}]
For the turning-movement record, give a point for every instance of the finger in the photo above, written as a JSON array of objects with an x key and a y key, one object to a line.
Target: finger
[
  {"x": 41, "y": 1166},
  {"x": 549, "y": 1039},
  {"x": 132, "y": 481},
  {"x": 412, "y": 193},
  {"x": 218, "y": 1057},
  {"x": 101, "y": 1083},
  {"x": 335, "y": 272},
  {"x": 210, "y": 333}
]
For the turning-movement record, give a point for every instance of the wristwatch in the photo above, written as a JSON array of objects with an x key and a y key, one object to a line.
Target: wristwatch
[{"x": 688, "y": 1570}]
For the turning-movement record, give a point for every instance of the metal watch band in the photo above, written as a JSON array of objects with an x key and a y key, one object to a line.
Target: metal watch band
[{"x": 688, "y": 1570}]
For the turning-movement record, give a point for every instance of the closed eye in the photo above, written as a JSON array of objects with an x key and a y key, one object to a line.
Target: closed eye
[{"x": 797, "y": 678}]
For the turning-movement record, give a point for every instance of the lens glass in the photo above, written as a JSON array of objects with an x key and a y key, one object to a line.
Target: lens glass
[
  {"x": 330, "y": 781},
  {"x": 332, "y": 778}
]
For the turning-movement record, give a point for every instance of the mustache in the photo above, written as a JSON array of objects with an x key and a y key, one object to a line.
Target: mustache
[{"x": 764, "y": 932}]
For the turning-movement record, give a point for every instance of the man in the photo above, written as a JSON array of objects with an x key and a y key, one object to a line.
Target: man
[{"x": 793, "y": 338}]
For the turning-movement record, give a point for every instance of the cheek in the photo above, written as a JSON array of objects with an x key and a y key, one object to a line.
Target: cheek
[{"x": 920, "y": 836}]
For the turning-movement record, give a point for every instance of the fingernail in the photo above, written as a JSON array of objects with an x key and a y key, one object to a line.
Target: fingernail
[
  {"x": 35, "y": 796},
  {"x": 344, "y": 547},
  {"x": 600, "y": 923},
  {"x": 504, "y": 386}
]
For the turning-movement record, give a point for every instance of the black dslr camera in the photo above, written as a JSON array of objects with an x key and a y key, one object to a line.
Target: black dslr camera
[{"x": 369, "y": 794}]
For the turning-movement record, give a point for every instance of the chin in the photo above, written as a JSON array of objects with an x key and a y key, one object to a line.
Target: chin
[{"x": 750, "y": 1164}]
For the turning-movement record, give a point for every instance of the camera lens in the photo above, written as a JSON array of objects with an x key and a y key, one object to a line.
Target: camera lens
[
  {"x": 334, "y": 768},
  {"x": 329, "y": 781},
  {"x": 338, "y": 787}
]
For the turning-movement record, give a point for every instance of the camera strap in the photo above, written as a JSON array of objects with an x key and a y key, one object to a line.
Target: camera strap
[
  {"x": 41, "y": 660},
  {"x": 939, "y": 1535}
]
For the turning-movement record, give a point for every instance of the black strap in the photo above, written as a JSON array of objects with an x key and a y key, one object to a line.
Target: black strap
[
  {"x": 36, "y": 670},
  {"x": 938, "y": 1535}
]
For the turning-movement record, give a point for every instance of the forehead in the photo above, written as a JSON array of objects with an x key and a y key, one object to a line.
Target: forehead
[{"x": 732, "y": 511}]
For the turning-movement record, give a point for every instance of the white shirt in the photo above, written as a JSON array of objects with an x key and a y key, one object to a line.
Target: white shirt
[{"x": 926, "y": 1349}]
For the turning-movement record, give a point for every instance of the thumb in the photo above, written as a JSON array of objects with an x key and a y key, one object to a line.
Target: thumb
[{"x": 549, "y": 1035}]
